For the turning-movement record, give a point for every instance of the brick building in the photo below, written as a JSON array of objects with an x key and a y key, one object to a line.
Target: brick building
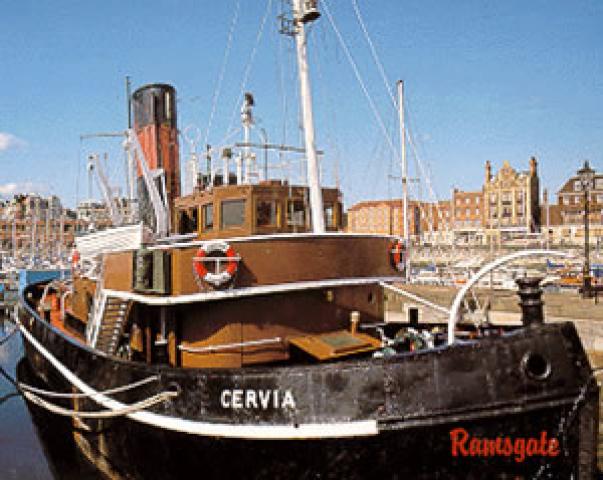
[
  {"x": 386, "y": 217},
  {"x": 467, "y": 215}
]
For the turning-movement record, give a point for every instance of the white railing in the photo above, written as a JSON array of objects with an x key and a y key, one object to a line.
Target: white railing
[{"x": 456, "y": 304}]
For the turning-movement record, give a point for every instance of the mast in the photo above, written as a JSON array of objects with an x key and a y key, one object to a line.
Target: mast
[
  {"x": 302, "y": 14},
  {"x": 404, "y": 174},
  {"x": 14, "y": 235}
]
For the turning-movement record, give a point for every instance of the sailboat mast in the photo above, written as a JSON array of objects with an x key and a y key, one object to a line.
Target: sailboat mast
[
  {"x": 316, "y": 205},
  {"x": 404, "y": 173}
]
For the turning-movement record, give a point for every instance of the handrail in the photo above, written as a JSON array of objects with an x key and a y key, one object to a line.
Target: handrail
[
  {"x": 416, "y": 298},
  {"x": 228, "y": 346},
  {"x": 456, "y": 304}
]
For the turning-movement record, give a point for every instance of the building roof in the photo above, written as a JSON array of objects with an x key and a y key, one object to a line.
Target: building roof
[{"x": 568, "y": 186}]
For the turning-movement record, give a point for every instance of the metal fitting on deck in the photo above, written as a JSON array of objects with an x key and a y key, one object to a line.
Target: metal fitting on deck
[{"x": 531, "y": 303}]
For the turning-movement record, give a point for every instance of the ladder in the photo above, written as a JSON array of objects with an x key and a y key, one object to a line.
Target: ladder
[{"x": 110, "y": 321}]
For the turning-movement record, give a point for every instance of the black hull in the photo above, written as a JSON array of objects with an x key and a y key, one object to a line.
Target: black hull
[{"x": 414, "y": 401}]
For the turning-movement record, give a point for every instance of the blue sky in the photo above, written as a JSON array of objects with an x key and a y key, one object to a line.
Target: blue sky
[{"x": 484, "y": 81}]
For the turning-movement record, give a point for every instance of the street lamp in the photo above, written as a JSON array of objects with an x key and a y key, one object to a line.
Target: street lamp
[{"x": 586, "y": 176}]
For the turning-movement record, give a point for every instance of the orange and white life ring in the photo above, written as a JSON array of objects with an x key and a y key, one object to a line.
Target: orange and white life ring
[
  {"x": 229, "y": 257},
  {"x": 398, "y": 255}
]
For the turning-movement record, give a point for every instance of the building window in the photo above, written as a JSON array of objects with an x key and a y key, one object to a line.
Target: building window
[
  {"x": 577, "y": 185},
  {"x": 566, "y": 200},
  {"x": 233, "y": 213},
  {"x": 208, "y": 216},
  {"x": 467, "y": 201},
  {"x": 296, "y": 213},
  {"x": 266, "y": 213},
  {"x": 599, "y": 183}
]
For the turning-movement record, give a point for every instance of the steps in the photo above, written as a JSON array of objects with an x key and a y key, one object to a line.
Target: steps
[{"x": 112, "y": 325}]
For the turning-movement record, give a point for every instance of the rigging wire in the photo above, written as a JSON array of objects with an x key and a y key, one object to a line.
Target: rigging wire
[
  {"x": 381, "y": 69},
  {"x": 250, "y": 64},
  {"x": 77, "y": 178},
  {"x": 216, "y": 95},
  {"x": 372, "y": 105},
  {"x": 374, "y": 53}
]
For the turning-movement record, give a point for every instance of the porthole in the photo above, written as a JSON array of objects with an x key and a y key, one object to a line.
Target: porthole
[{"x": 535, "y": 366}]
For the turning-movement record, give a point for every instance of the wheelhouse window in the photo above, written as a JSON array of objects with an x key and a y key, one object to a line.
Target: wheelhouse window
[
  {"x": 208, "y": 216},
  {"x": 233, "y": 213},
  {"x": 330, "y": 216},
  {"x": 266, "y": 213},
  {"x": 296, "y": 213},
  {"x": 188, "y": 221}
]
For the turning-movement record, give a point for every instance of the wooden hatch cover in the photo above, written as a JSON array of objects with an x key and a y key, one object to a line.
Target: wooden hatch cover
[{"x": 336, "y": 344}]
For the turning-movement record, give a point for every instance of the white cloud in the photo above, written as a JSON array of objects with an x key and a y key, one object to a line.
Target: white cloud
[
  {"x": 9, "y": 189},
  {"x": 8, "y": 140}
]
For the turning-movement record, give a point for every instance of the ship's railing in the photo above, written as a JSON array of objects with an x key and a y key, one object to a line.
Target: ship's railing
[{"x": 455, "y": 309}]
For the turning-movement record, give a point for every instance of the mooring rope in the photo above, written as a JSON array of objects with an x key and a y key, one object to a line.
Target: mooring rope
[
  {"x": 93, "y": 394},
  {"x": 135, "y": 407},
  {"x": 111, "y": 391}
]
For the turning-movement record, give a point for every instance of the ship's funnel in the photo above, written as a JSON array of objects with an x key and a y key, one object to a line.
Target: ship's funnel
[{"x": 154, "y": 111}]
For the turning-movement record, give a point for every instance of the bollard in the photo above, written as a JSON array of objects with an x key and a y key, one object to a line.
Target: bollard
[{"x": 531, "y": 303}]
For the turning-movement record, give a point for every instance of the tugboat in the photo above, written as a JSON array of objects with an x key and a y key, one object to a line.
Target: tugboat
[{"x": 247, "y": 337}]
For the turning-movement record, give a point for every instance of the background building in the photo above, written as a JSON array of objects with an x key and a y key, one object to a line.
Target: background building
[
  {"x": 511, "y": 202},
  {"x": 387, "y": 217},
  {"x": 507, "y": 207},
  {"x": 33, "y": 226},
  {"x": 563, "y": 222},
  {"x": 467, "y": 215}
]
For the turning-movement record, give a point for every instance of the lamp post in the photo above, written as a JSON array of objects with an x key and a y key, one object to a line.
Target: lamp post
[{"x": 586, "y": 176}]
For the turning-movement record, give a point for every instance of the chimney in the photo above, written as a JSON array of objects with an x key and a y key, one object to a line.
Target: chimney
[
  {"x": 533, "y": 167},
  {"x": 154, "y": 111},
  {"x": 488, "y": 171}
]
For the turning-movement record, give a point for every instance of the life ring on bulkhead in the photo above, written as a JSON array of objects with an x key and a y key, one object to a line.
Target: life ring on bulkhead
[
  {"x": 219, "y": 277},
  {"x": 75, "y": 260},
  {"x": 397, "y": 251}
]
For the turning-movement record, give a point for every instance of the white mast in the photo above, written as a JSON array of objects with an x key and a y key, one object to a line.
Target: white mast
[
  {"x": 302, "y": 14},
  {"x": 404, "y": 174}
]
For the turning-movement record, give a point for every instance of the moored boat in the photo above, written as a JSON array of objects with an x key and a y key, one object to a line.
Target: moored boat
[{"x": 237, "y": 332}]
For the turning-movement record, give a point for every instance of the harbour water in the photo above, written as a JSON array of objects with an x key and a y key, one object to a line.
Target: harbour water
[{"x": 32, "y": 450}]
